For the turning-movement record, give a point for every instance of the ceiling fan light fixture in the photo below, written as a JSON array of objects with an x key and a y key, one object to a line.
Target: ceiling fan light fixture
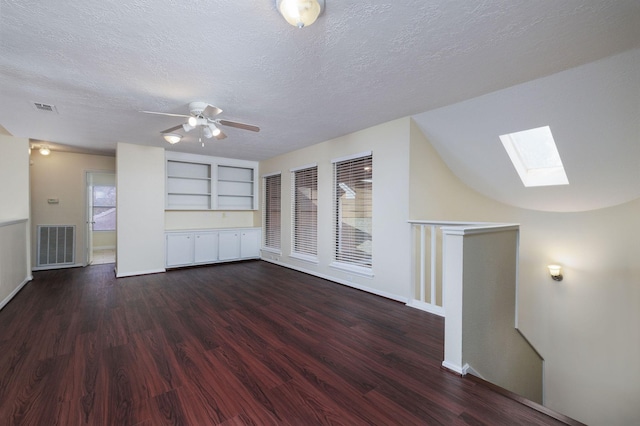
[
  {"x": 188, "y": 127},
  {"x": 206, "y": 132},
  {"x": 172, "y": 138},
  {"x": 193, "y": 121},
  {"x": 300, "y": 13},
  {"x": 214, "y": 129}
]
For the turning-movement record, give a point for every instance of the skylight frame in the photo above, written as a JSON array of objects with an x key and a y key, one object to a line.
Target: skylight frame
[{"x": 535, "y": 157}]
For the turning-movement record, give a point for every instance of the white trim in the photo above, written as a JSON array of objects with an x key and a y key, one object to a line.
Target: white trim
[
  {"x": 340, "y": 281},
  {"x": 270, "y": 174},
  {"x": 427, "y": 307},
  {"x": 209, "y": 159},
  {"x": 12, "y": 222},
  {"x": 104, "y": 247},
  {"x": 352, "y": 157},
  {"x": 131, "y": 274},
  {"x": 358, "y": 270},
  {"x": 17, "y": 289},
  {"x": 462, "y": 230},
  {"x": 305, "y": 257},
  {"x": 305, "y": 167},
  {"x": 271, "y": 250},
  {"x": 461, "y": 370}
]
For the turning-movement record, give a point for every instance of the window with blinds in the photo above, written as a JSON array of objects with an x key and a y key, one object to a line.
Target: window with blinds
[
  {"x": 304, "y": 212},
  {"x": 271, "y": 211},
  {"x": 353, "y": 210}
]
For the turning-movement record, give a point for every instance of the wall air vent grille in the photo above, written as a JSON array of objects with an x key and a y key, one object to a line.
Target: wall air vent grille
[
  {"x": 56, "y": 245},
  {"x": 45, "y": 107}
]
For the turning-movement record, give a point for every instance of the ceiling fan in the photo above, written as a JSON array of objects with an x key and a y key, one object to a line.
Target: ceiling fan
[{"x": 202, "y": 119}]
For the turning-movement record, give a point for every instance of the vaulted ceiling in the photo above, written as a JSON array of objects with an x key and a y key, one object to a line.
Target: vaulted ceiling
[{"x": 466, "y": 70}]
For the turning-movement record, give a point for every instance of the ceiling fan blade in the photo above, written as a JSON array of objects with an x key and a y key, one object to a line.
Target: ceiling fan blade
[
  {"x": 221, "y": 136},
  {"x": 211, "y": 110},
  {"x": 165, "y": 113},
  {"x": 239, "y": 125},
  {"x": 172, "y": 129}
]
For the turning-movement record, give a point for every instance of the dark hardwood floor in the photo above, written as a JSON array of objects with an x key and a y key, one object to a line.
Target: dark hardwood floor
[{"x": 232, "y": 344}]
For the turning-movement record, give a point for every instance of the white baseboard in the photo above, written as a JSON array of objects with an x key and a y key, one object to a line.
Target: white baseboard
[
  {"x": 340, "y": 281},
  {"x": 132, "y": 274},
  {"x": 461, "y": 370},
  {"x": 427, "y": 307},
  {"x": 15, "y": 291}
]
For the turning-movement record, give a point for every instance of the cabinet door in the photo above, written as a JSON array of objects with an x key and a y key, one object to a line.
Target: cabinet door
[
  {"x": 179, "y": 249},
  {"x": 250, "y": 243},
  {"x": 206, "y": 247},
  {"x": 229, "y": 245}
]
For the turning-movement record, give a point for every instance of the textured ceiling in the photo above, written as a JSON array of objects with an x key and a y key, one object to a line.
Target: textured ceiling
[{"x": 101, "y": 61}]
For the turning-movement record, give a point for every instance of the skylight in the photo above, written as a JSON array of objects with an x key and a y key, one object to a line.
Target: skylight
[{"x": 535, "y": 156}]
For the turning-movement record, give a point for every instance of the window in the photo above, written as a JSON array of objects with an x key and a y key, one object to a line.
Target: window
[
  {"x": 104, "y": 208},
  {"x": 271, "y": 212},
  {"x": 304, "y": 212},
  {"x": 535, "y": 157},
  {"x": 353, "y": 211}
]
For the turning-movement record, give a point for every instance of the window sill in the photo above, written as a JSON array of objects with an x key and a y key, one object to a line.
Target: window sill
[
  {"x": 305, "y": 257},
  {"x": 353, "y": 269},
  {"x": 272, "y": 250}
]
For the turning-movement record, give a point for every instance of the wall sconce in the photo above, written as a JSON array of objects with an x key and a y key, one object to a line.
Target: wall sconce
[
  {"x": 44, "y": 150},
  {"x": 556, "y": 272},
  {"x": 300, "y": 13}
]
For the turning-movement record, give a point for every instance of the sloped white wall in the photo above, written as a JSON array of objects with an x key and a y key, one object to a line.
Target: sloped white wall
[{"x": 585, "y": 327}]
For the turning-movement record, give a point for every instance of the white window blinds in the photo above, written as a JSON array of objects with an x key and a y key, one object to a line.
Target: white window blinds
[
  {"x": 271, "y": 211},
  {"x": 353, "y": 210},
  {"x": 304, "y": 211}
]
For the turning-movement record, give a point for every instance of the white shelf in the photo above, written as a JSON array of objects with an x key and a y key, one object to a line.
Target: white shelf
[{"x": 198, "y": 182}]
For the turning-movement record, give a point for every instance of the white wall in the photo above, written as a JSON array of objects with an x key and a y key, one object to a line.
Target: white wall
[
  {"x": 585, "y": 327},
  {"x": 140, "y": 213},
  {"x": 389, "y": 143},
  {"x": 177, "y": 220},
  {"x": 14, "y": 178},
  {"x": 14, "y": 237},
  {"x": 62, "y": 175}
]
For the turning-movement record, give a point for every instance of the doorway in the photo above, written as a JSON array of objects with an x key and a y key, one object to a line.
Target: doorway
[{"x": 101, "y": 218}]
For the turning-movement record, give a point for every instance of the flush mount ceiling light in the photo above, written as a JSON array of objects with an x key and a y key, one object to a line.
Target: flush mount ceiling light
[
  {"x": 300, "y": 13},
  {"x": 172, "y": 138},
  {"x": 535, "y": 157}
]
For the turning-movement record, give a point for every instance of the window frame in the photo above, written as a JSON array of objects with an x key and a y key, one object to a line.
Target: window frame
[
  {"x": 353, "y": 262},
  {"x": 304, "y": 244},
  {"x": 267, "y": 211}
]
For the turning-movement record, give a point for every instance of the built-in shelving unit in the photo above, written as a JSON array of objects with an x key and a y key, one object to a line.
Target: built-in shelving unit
[
  {"x": 235, "y": 188},
  {"x": 188, "y": 185},
  {"x": 199, "y": 182}
]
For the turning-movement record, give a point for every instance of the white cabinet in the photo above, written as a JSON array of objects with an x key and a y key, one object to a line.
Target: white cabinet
[
  {"x": 229, "y": 248},
  {"x": 179, "y": 249},
  {"x": 201, "y": 182},
  {"x": 186, "y": 248},
  {"x": 250, "y": 243},
  {"x": 205, "y": 247}
]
